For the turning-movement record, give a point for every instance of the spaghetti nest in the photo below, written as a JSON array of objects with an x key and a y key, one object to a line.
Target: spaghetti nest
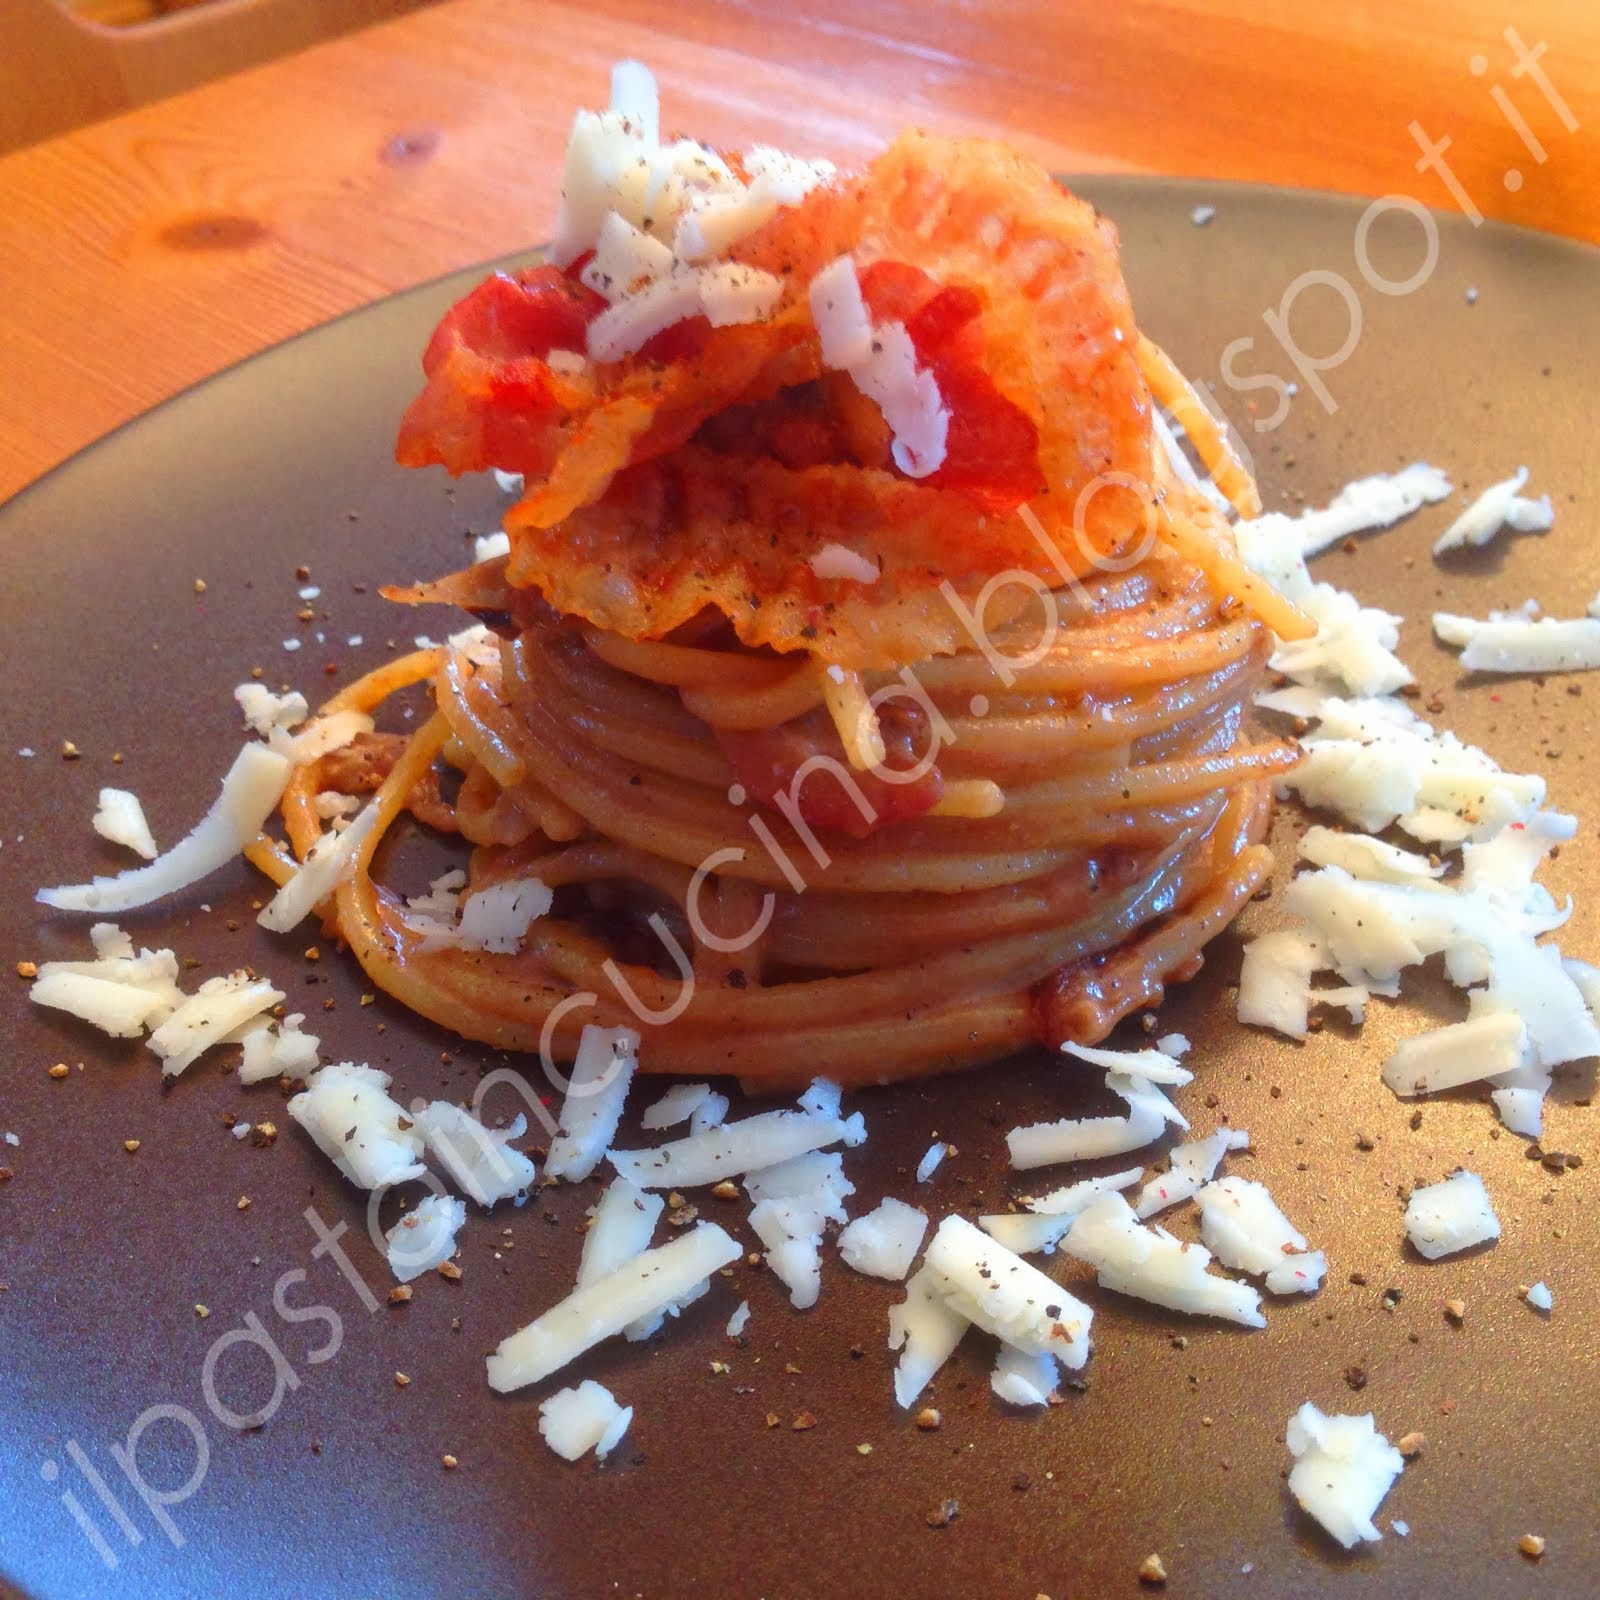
[
  {"x": 794, "y": 822},
  {"x": 1089, "y": 820}
]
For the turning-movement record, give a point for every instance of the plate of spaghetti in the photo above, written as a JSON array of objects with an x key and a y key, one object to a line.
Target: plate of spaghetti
[{"x": 794, "y": 620}]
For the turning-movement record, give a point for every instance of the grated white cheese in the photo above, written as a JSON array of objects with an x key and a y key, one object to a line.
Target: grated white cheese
[
  {"x": 120, "y": 818},
  {"x": 734, "y": 1148},
  {"x": 478, "y": 1160},
  {"x": 1026, "y": 1233},
  {"x": 883, "y": 366},
  {"x": 712, "y": 1112},
  {"x": 792, "y": 1234},
  {"x": 823, "y": 1098},
  {"x": 251, "y": 790},
  {"x": 330, "y": 860},
  {"x": 931, "y": 1159},
  {"x": 647, "y": 1284},
  {"x": 1001, "y": 1293},
  {"x": 267, "y": 713},
  {"x": 925, "y": 1328},
  {"x": 1353, "y": 647},
  {"x": 1021, "y": 1379},
  {"x": 678, "y": 1104},
  {"x": 731, "y": 294},
  {"x": 1522, "y": 641},
  {"x": 815, "y": 1179},
  {"x": 1499, "y": 506},
  {"x": 1148, "y": 1263},
  {"x": 123, "y": 1010},
  {"x": 1540, "y": 1297},
  {"x": 119, "y": 992},
  {"x": 358, "y": 1127},
  {"x": 837, "y": 561},
  {"x": 625, "y": 259},
  {"x": 1379, "y": 501},
  {"x": 215, "y": 1010},
  {"x": 491, "y": 546},
  {"x": 1373, "y": 860},
  {"x": 1443, "y": 1218},
  {"x": 425, "y": 1237},
  {"x": 1243, "y": 1227},
  {"x": 843, "y": 323},
  {"x": 884, "y": 1242},
  {"x": 739, "y": 1321},
  {"x": 320, "y": 736},
  {"x": 1072, "y": 1199},
  {"x": 621, "y": 1222},
  {"x": 621, "y": 329},
  {"x": 1191, "y": 1166},
  {"x": 1275, "y": 981},
  {"x": 1375, "y": 763},
  {"x": 494, "y": 919},
  {"x": 1134, "y": 1078},
  {"x": 279, "y": 1050},
  {"x": 480, "y": 644},
  {"x": 1343, "y": 1468},
  {"x": 1463, "y": 1052},
  {"x": 601, "y": 1073},
  {"x": 575, "y": 1421},
  {"x": 110, "y": 942}
]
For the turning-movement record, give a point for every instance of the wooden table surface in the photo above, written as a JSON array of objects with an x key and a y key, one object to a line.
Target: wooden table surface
[{"x": 147, "y": 252}]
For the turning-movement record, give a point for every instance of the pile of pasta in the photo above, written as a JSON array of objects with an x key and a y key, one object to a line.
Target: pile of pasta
[{"x": 864, "y": 678}]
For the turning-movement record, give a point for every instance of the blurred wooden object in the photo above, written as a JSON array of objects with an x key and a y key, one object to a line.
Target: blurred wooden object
[
  {"x": 139, "y": 255},
  {"x": 128, "y": 13},
  {"x": 59, "y": 70}
]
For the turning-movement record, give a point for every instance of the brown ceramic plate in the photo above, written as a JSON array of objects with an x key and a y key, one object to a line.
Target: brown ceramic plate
[{"x": 1175, "y": 1443}]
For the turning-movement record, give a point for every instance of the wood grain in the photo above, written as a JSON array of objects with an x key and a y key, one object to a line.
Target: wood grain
[{"x": 142, "y": 254}]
